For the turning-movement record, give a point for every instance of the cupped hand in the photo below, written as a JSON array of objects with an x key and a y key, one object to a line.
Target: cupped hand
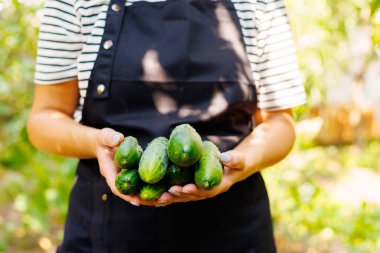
[
  {"x": 107, "y": 142},
  {"x": 234, "y": 171}
]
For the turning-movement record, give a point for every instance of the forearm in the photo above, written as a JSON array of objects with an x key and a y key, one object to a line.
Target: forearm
[
  {"x": 57, "y": 133},
  {"x": 269, "y": 142}
]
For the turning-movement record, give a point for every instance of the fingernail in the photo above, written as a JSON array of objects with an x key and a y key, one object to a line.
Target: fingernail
[
  {"x": 161, "y": 201},
  {"x": 224, "y": 157},
  {"x": 134, "y": 203},
  {"x": 116, "y": 138},
  {"x": 174, "y": 193}
]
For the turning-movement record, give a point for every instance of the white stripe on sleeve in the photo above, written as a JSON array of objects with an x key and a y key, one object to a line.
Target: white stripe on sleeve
[
  {"x": 59, "y": 43},
  {"x": 279, "y": 80}
]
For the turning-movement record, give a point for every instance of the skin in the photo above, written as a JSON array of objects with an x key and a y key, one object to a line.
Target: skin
[{"x": 54, "y": 106}]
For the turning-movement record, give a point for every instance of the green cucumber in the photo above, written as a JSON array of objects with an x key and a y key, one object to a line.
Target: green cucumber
[
  {"x": 184, "y": 146},
  {"x": 177, "y": 175},
  {"x": 128, "y": 154},
  {"x": 127, "y": 182},
  {"x": 151, "y": 191},
  {"x": 209, "y": 170},
  {"x": 154, "y": 161}
]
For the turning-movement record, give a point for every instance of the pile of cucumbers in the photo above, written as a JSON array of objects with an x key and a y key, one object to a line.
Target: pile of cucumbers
[{"x": 182, "y": 159}]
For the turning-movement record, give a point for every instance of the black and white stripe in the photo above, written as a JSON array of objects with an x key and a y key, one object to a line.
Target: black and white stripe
[
  {"x": 271, "y": 53},
  {"x": 71, "y": 32},
  {"x": 59, "y": 43}
]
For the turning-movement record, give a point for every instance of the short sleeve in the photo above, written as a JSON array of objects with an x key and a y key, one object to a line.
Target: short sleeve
[
  {"x": 280, "y": 85},
  {"x": 59, "y": 43}
]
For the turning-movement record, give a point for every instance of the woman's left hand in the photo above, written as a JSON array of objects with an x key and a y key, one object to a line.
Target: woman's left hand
[{"x": 234, "y": 171}]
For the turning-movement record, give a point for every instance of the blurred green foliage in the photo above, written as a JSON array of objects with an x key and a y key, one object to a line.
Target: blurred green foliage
[
  {"x": 307, "y": 216},
  {"x": 35, "y": 186},
  {"x": 324, "y": 33}
]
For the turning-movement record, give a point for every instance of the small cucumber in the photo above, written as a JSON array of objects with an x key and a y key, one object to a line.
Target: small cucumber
[
  {"x": 179, "y": 176},
  {"x": 128, "y": 154},
  {"x": 154, "y": 161},
  {"x": 209, "y": 169},
  {"x": 127, "y": 182},
  {"x": 184, "y": 146},
  {"x": 151, "y": 191}
]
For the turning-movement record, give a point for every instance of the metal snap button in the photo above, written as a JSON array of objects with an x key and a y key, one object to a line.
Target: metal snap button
[
  {"x": 107, "y": 44},
  {"x": 100, "y": 89},
  {"x": 104, "y": 197},
  {"x": 116, "y": 7}
]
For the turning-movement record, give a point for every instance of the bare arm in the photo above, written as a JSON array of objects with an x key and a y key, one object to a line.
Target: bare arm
[
  {"x": 52, "y": 129},
  {"x": 269, "y": 143}
]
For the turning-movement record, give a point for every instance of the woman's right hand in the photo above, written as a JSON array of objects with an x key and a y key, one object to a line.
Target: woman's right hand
[
  {"x": 53, "y": 107},
  {"x": 106, "y": 144}
]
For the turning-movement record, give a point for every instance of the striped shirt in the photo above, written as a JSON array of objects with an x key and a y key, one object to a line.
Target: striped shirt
[{"x": 71, "y": 32}]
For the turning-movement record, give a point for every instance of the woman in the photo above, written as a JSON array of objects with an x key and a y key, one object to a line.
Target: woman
[{"x": 108, "y": 69}]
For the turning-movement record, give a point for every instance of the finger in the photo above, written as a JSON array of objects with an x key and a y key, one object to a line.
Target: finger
[
  {"x": 106, "y": 163},
  {"x": 165, "y": 199},
  {"x": 136, "y": 200},
  {"x": 175, "y": 190},
  {"x": 110, "y": 175},
  {"x": 178, "y": 192},
  {"x": 233, "y": 159},
  {"x": 174, "y": 195},
  {"x": 190, "y": 189},
  {"x": 110, "y": 138},
  {"x": 110, "y": 171},
  {"x": 221, "y": 188},
  {"x": 191, "y": 192}
]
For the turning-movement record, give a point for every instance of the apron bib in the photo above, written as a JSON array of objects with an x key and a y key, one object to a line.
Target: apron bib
[{"x": 161, "y": 64}]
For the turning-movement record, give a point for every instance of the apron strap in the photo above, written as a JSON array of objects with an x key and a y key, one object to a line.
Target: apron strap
[{"x": 107, "y": 48}]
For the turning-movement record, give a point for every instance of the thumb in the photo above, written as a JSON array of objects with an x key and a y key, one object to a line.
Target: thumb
[
  {"x": 233, "y": 159},
  {"x": 109, "y": 137}
]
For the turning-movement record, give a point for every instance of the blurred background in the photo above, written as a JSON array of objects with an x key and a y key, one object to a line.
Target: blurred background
[{"x": 325, "y": 196}]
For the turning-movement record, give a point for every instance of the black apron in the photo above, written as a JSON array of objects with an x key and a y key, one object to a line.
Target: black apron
[{"x": 162, "y": 64}]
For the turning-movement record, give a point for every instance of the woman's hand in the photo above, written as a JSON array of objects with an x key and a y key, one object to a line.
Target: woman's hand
[
  {"x": 258, "y": 150},
  {"x": 106, "y": 143},
  {"x": 234, "y": 171},
  {"x": 270, "y": 141}
]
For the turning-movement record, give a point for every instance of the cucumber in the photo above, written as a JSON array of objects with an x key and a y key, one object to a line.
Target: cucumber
[
  {"x": 128, "y": 154},
  {"x": 209, "y": 170},
  {"x": 179, "y": 176},
  {"x": 151, "y": 191},
  {"x": 127, "y": 182},
  {"x": 154, "y": 161},
  {"x": 184, "y": 146}
]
